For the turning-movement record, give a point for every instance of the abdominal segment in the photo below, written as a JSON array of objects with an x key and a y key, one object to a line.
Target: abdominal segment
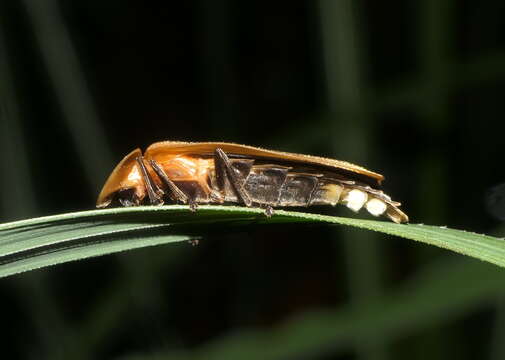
[{"x": 284, "y": 186}]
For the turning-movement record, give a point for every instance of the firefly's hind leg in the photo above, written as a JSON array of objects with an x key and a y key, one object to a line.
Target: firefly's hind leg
[
  {"x": 269, "y": 211},
  {"x": 153, "y": 191},
  {"x": 174, "y": 192},
  {"x": 224, "y": 170}
]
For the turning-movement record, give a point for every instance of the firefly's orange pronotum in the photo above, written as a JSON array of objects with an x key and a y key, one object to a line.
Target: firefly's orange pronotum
[{"x": 217, "y": 172}]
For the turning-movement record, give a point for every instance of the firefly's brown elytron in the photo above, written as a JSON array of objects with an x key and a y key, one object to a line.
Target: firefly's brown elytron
[{"x": 218, "y": 172}]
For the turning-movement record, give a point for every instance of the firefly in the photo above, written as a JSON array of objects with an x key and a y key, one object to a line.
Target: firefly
[{"x": 196, "y": 173}]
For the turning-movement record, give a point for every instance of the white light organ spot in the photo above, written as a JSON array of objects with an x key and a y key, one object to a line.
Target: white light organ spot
[
  {"x": 355, "y": 199},
  {"x": 376, "y": 207}
]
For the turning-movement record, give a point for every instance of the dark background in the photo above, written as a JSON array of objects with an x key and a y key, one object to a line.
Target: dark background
[{"x": 411, "y": 89}]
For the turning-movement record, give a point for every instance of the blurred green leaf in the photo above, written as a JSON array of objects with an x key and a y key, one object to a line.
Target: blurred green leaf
[
  {"x": 39, "y": 242},
  {"x": 423, "y": 302}
]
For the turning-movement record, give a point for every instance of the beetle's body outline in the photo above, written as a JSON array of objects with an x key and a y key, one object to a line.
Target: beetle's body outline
[{"x": 218, "y": 172}]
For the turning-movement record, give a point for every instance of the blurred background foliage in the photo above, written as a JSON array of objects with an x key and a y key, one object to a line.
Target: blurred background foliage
[{"x": 412, "y": 89}]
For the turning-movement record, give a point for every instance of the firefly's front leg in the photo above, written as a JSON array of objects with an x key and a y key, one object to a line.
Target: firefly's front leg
[{"x": 153, "y": 191}]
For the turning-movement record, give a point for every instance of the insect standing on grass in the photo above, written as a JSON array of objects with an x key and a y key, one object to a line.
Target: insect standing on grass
[{"x": 218, "y": 172}]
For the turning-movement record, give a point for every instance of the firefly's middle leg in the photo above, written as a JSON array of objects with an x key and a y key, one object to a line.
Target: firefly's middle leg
[{"x": 174, "y": 192}]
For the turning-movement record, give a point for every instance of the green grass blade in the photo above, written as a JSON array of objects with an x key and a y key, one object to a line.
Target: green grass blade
[
  {"x": 422, "y": 303},
  {"x": 45, "y": 241}
]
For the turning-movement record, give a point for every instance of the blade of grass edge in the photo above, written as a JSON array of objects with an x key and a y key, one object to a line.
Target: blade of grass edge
[{"x": 45, "y": 241}]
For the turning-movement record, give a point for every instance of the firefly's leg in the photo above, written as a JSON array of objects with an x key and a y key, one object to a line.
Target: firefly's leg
[
  {"x": 153, "y": 191},
  {"x": 269, "y": 211},
  {"x": 224, "y": 170},
  {"x": 175, "y": 193}
]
